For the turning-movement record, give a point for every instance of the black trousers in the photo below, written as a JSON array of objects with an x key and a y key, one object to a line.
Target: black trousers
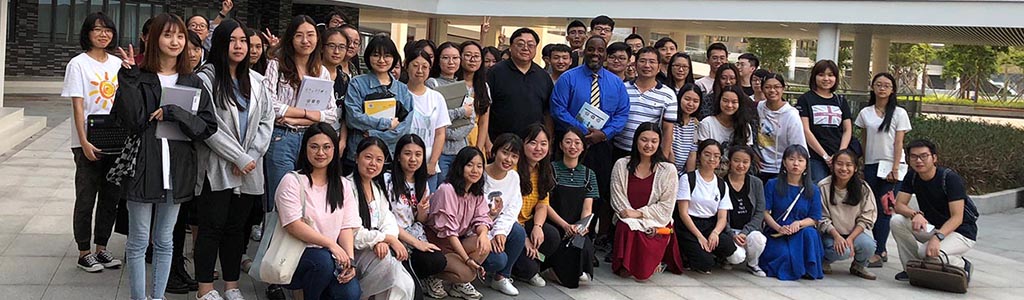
[
  {"x": 525, "y": 267},
  {"x": 569, "y": 262},
  {"x": 221, "y": 216},
  {"x": 601, "y": 159},
  {"x": 691, "y": 251},
  {"x": 90, "y": 182}
]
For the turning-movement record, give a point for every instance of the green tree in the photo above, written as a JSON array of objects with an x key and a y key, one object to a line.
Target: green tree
[
  {"x": 1011, "y": 61},
  {"x": 773, "y": 53},
  {"x": 907, "y": 62},
  {"x": 973, "y": 65}
]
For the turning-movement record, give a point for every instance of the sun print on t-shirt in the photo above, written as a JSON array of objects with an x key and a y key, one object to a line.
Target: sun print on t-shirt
[{"x": 103, "y": 90}]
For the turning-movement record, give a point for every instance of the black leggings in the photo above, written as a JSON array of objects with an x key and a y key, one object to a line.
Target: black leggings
[
  {"x": 690, "y": 248},
  {"x": 526, "y": 267},
  {"x": 222, "y": 218}
]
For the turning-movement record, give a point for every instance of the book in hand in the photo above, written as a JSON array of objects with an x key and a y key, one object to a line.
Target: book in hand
[
  {"x": 579, "y": 240},
  {"x": 315, "y": 94},
  {"x": 885, "y": 166},
  {"x": 455, "y": 96},
  {"x": 184, "y": 97},
  {"x": 381, "y": 108},
  {"x": 592, "y": 117}
]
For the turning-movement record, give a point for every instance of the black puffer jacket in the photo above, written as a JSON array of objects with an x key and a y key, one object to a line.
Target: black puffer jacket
[{"x": 137, "y": 97}]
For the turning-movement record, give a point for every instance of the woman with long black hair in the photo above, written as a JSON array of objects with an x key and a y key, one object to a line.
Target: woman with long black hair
[
  {"x": 884, "y": 124},
  {"x": 848, "y": 212},
  {"x": 792, "y": 210},
  {"x": 231, "y": 161}
]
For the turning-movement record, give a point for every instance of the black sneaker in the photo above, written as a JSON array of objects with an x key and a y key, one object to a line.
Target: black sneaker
[
  {"x": 175, "y": 285},
  {"x": 89, "y": 263},
  {"x": 107, "y": 260},
  {"x": 275, "y": 292},
  {"x": 902, "y": 276}
]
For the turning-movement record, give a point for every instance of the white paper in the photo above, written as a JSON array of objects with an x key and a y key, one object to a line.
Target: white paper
[
  {"x": 165, "y": 163},
  {"x": 183, "y": 97},
  {"x": 592, "y": 117},
  {"x": 885, "y": 167},
  {"x": 315, "y": 94}
]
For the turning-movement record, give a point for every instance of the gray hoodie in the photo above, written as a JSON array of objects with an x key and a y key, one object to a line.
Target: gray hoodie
[
  {"x": 225, "y": 150},
  {"x": 778, "y": 130}
]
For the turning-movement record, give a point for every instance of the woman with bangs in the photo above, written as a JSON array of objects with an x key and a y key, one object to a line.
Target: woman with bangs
[
  {"x": 502, "y": 188},
  {"x": 572, "y": 201},
  {"x": 381, "y": 56},
  {"x": 684, "y": 132},
  {"x": 725, "y": 77},
  {"x": 792, "y": 210},
  {"x": 430, "y": 119},
  {"x": 154, "y": 198},
  {"x": 478, "y": 96}
]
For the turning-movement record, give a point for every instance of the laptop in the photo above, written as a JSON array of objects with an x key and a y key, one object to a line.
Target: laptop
[
  {"x": 103, "y": 132},
  {"x": 454, "y": 96}
]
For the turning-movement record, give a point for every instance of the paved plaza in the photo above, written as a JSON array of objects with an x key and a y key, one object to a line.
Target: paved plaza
[{"x": 38, "y": 255}]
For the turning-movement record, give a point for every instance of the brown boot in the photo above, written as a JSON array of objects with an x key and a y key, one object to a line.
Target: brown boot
[{"x": 862, "y": 272}]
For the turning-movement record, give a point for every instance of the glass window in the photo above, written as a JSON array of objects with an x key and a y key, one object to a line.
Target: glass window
[
  {"x": 97, "y": 5},
  {"x": 81, "y": 10},
  {"x": 63, "y": 13},
  {"x": 131, "y": 22},
  {"x": 45, "y": 18}
]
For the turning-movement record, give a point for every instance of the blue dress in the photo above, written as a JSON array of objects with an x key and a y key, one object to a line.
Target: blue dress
[{"x": 795, "y": 256}]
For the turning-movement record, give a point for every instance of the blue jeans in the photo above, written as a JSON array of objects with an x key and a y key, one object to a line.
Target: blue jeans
[
  {"x": 280, "y": 159},
  {"x": 446, "y": 164},
  {"x": 315, "y": 277},
  {"x": 142, "y": 218},
  {"x": 879, "y": 186},
  {"x": 515, "y": 244},
  {"x": 434, "y": 181},
  {"x": 818, "y": 169},
  {"x": 863, "y": 247}
]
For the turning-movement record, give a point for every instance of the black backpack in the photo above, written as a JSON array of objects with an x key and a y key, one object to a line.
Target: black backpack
[
  {"x": 692, "y": 178},
  {"x": 971, "y": 213}
]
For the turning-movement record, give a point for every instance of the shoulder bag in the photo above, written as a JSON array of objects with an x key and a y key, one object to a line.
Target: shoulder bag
[
  {"x": 939, "y": 275},
  {"x": 279, "y": 251}
]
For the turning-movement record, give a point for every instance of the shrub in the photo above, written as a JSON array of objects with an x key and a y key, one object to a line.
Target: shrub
[{"x": 988, "y": 156}]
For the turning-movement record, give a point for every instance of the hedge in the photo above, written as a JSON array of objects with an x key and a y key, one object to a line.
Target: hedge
[{"x": 990, "y": 157}]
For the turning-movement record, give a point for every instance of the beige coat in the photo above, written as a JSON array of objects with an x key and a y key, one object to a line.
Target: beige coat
[{"x": 662, "y": 203}]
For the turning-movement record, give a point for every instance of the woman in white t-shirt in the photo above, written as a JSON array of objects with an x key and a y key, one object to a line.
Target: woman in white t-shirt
[
  {"x": 90, "y": 81},
  {"x": 504, "y": 195},
  {"x": 429, "y": 114},
  {"x": 733, "y": 121},
  {"x": 884, "y": 126},
  {"x": 704, "y": 212}
]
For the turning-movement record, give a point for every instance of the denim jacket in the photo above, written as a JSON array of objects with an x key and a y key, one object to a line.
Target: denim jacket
[{"x": 359, "y": 123}]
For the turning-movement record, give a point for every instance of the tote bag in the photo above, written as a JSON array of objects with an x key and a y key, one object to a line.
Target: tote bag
[{"x": 279, "y": 251}]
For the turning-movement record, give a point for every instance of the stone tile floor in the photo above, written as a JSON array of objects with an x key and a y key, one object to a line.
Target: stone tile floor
[{"x": 37, "y": 253}]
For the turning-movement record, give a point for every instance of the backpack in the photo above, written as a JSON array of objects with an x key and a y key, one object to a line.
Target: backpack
[
  {"x": 971, "y": 213},
  {"x": 692, "y": 178}
]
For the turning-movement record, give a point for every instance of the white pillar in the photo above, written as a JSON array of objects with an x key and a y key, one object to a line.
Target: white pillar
[
  {"x": 880, "y": 55},
  {"x": 861, "y": 61},
  {"x": 439, "y": 30},
  {"x": 792, "y": 60},
  {"x": 400, "y": 34},
  {"x": 828, "y": 42},
  {"x": 3, "y": 50}
]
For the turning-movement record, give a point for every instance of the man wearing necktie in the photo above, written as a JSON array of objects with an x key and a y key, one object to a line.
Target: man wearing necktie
[{"x": 591, "y": 86}]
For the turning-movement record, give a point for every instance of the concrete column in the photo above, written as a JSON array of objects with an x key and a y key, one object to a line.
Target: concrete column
[
  {"x": 792, "y": 60},
  {"x": 861, "y": 61},
  {"x": 828, "y": 41},
  {"x": 491, "y": 38},
  {"x": 646, "y": 33},
  {"x": 680, "y": 38},
  {"x": 540, "y": 44},
  {"x": 3, "y": 50},
  {"x": 420, "y": 32},
  {"x": 439, "y": 30},
  {"x": 880, "y": 55},
  {"x": 400, "y": 34}
]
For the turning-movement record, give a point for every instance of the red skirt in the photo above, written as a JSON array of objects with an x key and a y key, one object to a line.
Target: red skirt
[{"x": 640, "y": 254}]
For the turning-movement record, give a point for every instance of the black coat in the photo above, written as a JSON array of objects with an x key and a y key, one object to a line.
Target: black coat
[{"x": 138, "y": 95}]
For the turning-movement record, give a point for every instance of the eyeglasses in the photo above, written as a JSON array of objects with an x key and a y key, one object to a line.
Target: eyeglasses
[
  {"x": 618, "y": 58},
  {"x": 196, "y": 26},
  {"x": 914, "y": 157},
  {"x": 524, "y": 45},
  {"x": 318, "y": 148},
  {"x": 102, "y": 30},
  {"x": 883, "y": 86},
  {"x": 336, "y": 47},
  {"x": 449, "y": 58},
  {"x": 681, "y": 67},
  {"x": 471, "y": 58},
  {"x": 603, "y": 29}
]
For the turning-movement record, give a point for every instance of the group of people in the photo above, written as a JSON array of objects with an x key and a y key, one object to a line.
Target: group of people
[{"x": 514, "y": 183}]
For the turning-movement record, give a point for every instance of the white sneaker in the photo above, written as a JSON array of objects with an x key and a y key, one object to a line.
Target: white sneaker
[
  {"x": 756, "y": 271},
  {"x": 585, "y": 277},
  {"x": 537, "y": 281},
  {"x": 212, "y": 295},
  {"x": 464, "y": 291},
  {"x": 435, "y": 288},
  {"x": 233, "y": 294},
  {"x": 505, "y": 286}
]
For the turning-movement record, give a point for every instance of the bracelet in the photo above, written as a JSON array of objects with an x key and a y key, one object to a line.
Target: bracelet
[
  {"x": 538, "y": 225},
  {"x": 915, "y": 214},
  {"x": 222, "y": 15},
  {"x": 304, "y": 113}
]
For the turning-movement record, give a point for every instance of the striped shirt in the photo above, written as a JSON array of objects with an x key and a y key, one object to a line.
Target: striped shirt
[
  {"x": 580, "y": 176},
  {"x": 683, "y": 142},
  {"x": 655, "y": 105}
]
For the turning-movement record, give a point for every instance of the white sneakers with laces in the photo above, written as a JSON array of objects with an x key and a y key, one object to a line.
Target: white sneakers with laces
[{"x": 505, "y": 286}]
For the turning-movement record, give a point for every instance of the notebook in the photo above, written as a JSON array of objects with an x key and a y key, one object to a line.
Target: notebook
[
  {"x": 315, "y": 94},
  {"x": 184, "y": 97},
  {"x": 103, "y": 132},
  {"x": 455, "y": 95},
  {"x": 381, "y": 108},
  {"x": 885, "y": 166}
]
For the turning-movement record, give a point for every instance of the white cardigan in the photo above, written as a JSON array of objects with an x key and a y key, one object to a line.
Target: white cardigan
[{"x": 660, "y": 206}]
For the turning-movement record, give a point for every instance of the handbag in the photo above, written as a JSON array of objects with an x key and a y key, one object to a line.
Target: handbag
[
  {"x": 279, "y": 251},
  {"x": 939, "y": 275}
]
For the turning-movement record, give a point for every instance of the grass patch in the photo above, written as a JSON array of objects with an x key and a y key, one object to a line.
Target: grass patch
[
  {"x": 986, "y": 155},
  {"x": 946, "y": 100}
]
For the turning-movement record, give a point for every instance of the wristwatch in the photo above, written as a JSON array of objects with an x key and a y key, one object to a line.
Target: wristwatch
[{"x": 940, "y": 236}]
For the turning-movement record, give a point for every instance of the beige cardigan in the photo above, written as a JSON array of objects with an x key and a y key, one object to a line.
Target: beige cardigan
[
  {"x": 844, "y": 217},
  {"x": 658, "y": 211}
]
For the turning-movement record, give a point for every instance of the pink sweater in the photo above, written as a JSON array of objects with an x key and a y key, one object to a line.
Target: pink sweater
[
  {"x": 451, "y": 215},
  {"x": 329, "y": 224}
]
